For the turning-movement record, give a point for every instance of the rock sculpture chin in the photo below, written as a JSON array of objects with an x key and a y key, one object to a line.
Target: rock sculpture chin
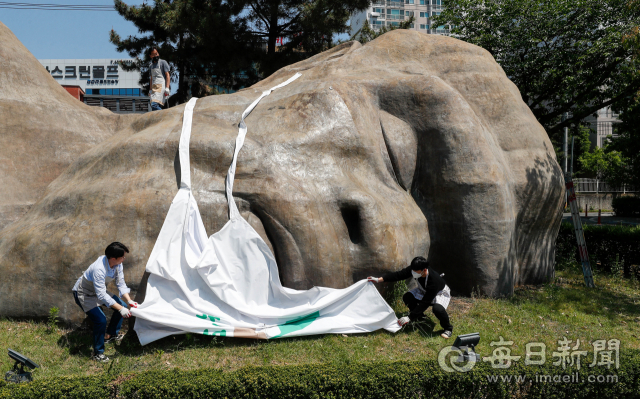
[{"x": 410, "y": 145}]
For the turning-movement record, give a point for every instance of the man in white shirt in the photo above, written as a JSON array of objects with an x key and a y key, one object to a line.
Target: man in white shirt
[
  {"x": 159, "y": 80},
  {"x": 90, "y": 292}
]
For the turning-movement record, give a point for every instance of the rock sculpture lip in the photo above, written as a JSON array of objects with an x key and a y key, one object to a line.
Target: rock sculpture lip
[
  {"x": 409, "y": 145},
  {"x": 285, "y": 250}
]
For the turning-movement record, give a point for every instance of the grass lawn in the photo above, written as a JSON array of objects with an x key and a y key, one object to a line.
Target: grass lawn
[{"x": 547, "y": 313}]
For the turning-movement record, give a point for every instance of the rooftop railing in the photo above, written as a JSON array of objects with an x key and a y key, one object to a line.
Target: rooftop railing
[
  {"x": 395, "y": 17},
  {"x": 397, "y": 4}
]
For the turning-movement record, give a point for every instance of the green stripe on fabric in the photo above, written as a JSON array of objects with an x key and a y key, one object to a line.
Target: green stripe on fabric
[{"x": 296, "y": 324}]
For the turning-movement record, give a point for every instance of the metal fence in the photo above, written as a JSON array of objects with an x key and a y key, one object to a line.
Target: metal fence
[
  {"x": 119, "y": 105},
  {"x": 598, "y": 186}
]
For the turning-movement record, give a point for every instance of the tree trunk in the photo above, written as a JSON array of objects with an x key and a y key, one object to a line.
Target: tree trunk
[
  {"x": 273, "y": 28},
  {"x": 182, "y": 90}
]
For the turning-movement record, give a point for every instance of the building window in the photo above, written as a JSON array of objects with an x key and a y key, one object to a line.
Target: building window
[
  {"x": 408, "y": 1},
  {"x": 136, "y": 92},
  {"x": 423, "y": 26},
  {"x": 407, "y": 13},
  {"x": 395, "y": 12},
  {"x": 422, "y": 15},
  {"x": 433, "y": 14},
  {"x": 421, "y": 2},
  {"x": 394, "y": 23}
]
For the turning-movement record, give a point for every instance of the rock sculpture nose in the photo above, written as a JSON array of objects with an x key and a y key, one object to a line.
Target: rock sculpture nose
[{"x": 351, "y": 217}]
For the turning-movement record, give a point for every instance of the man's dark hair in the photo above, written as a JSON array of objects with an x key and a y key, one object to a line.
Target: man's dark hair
[
  {"x": 419, "y": 263},
  {"x": 115, "y": 250},
  {"x": 153, "y": 48}
]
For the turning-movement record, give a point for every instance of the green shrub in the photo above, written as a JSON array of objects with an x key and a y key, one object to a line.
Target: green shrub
[
  {"x": 54, "y": 388},
  {"x": 52, "y": 319},
  {"x": 626, "y": 206},
  {"x": 400, "y": 379},
  {"x": 610, "y": 248},
  {"x": 394, "y": 296}
]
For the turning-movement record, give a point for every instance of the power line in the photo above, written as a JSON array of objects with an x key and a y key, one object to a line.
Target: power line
[{"x": 54, "y": 7}]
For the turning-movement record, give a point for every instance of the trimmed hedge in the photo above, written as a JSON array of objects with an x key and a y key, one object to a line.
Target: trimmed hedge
[
  {"x": 612, "y": 249},
  {"x": 54, "y": 388},
  {"x": 357, "y": 380},
  {"x": 626, "y": 206}
]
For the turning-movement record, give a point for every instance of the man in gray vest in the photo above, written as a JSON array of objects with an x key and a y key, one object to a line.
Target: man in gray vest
[
  {"x": 90, "y": 292},
  {"x": 159, "y": 80}
]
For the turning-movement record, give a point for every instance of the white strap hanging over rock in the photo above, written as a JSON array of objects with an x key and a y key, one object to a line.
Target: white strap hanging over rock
[{"x": 228, "y": 284}]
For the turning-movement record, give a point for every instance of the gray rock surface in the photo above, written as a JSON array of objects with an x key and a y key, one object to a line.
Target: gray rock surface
[
  {"x": 43, "y": 128},
  {"x": 410, "y": 145}
]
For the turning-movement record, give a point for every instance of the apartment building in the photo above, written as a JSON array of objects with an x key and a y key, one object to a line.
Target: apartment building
[{"x": 392, "y": 12}]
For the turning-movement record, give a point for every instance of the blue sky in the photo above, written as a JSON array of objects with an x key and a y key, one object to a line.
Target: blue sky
[
  {"x": 71, "y": 34},
  {"x": 68, "y": 34}
]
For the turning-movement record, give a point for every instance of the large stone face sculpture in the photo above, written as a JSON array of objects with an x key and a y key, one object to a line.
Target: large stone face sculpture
[{"x": 410, "y": 145}]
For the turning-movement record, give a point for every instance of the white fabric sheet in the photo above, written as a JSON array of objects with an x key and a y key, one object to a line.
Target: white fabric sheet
[{"x": 228, "y": 284}]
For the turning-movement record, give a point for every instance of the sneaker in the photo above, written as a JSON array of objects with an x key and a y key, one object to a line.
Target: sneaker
[
  {"x": 101, "y": 358},
  {"x": 446, "y": 334},
  {"x": 113, "y": 339}
]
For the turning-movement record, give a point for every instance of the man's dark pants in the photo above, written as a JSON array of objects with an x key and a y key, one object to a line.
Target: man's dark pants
[
  {"x": 96, "y": 315},
  {"x": 438, "y": 310},
  {"x": 156, "y": 106}
]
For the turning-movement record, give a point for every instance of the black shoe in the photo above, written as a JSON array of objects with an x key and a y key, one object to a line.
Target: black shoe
[
  {"x": 446, "y": 334},
  {"x": 101, "y": 358}
]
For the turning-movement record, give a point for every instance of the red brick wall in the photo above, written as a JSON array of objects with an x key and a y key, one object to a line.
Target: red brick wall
[{"x": 76, "y": 92}]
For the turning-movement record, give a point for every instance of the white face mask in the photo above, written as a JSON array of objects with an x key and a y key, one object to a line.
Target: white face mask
[{"x": 416, "y": 275}]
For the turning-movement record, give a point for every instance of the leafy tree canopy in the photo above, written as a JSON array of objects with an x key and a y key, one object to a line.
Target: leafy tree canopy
[
  {"x": 574, "y": 56},
  {"x": 202, "y": 40},
  {"x": 230, "y": 43},
  {"x": 627, "y": 143},
  {"x": 304, "y": 27}
]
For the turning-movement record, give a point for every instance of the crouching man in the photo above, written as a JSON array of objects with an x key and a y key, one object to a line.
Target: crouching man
[
  {"x": 90, "y": 292},
  {"x": 431, "y": 291}
]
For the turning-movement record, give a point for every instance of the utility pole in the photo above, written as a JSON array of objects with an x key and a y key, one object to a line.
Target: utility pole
[
  {"x": 566, "y": 143},
  {"x": 572, "y": 141},
  {"x": 565, "y": 116}
]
